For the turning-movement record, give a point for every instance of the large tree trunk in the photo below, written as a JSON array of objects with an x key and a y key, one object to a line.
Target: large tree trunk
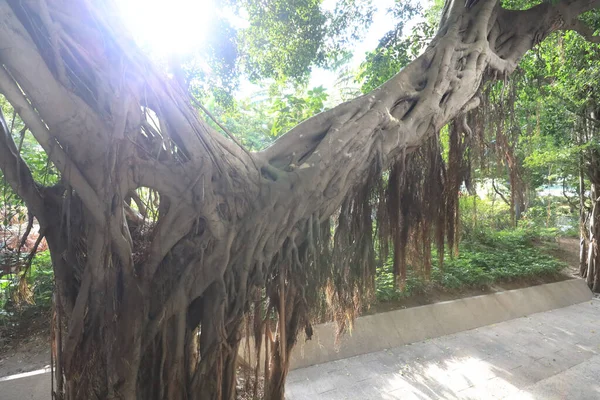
[
  {"x": 593, "y": 257},
  {"x": 591, "y": 159},
  {"x": 135, "y": 289}
]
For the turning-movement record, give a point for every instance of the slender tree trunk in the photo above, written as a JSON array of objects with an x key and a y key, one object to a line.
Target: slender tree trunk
[
  {"x": 516, "y": 183},
  {"x": 583, "y": 237}
]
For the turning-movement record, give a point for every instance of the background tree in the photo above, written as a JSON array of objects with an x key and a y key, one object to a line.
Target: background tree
[{"x": 568, "y": 64}]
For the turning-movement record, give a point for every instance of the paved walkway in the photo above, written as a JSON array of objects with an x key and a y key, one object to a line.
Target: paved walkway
[{"x": 550, "y": 355}]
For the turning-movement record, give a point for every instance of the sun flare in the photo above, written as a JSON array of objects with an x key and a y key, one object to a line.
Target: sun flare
[{"x": 166, "y": 28}]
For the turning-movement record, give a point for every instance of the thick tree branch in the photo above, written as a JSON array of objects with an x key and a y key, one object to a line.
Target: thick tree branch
[
  {"x": 66, "y": 115},
  {"x": 578, "y": 7},
  {"x": 170, "y": 229},
  {"x": 585, "y": 31},
  {"x": 67, "y": 167},
  {"x": 519, "y": 31},
  {"x": 55, "y": 152},
  {"x": 512, "y": 33},
  {"x": 17, "y": 173}
]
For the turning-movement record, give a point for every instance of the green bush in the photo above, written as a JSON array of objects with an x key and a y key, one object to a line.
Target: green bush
[
  {"x": 41, "y": 279},
  {"x": 386, "y": 288},
  {"x": 552, "y": 211},
  {"x": 39, "y": 284},
  {"x": 477, "y": 213}
]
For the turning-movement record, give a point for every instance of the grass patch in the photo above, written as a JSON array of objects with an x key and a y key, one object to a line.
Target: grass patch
[{"x": 485, "y": 258}]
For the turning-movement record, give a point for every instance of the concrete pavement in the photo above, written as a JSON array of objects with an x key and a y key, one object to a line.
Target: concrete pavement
[
  {"x": 33, "y": 385},
  {"x": 549, "y": 355},
  {"x": 399, "y": 327}
]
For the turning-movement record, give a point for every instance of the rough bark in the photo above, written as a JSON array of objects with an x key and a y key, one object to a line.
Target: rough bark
[
  {"x": 583, "y": 217},
  {"x": 590, "y": 268},
  {"x": 227, "y": 221},
  {"x": 593, "y": 255}
]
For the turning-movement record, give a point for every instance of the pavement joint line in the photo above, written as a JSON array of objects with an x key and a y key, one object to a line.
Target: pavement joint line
[{"x": 44, "y": 370}]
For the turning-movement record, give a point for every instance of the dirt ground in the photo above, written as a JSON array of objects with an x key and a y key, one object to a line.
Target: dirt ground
[
  {"x": 27, "y": 347},
  {"x": 568, "y": 251}
]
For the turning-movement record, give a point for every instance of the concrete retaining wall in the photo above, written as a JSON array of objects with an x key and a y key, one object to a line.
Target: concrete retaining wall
[{"x": 395, "y": 328}]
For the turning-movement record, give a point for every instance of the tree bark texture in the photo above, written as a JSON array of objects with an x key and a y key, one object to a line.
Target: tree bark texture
[
  {"x": 583, "y": 218},
  {"x": 593, "y": 256},
  {"x": 154, "y": 301},
  {"x": 590, "y": 269},
  {"x": 589, "y": 218}
]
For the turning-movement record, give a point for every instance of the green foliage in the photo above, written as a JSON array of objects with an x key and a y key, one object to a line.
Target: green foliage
[
  {"x": 395, "y": 50},
  {"x": 281, "y": 40},
  {"x": 38, "y": 285},
  {"x": 284, "y": 38},
  {"x": 42, "y": 170},
  {"x": 551, "y": 212},
  {"x": 249, "y": 120},
  {"x": 387, "y": 289},
  {"x": 258, "y": 122},
  {"x": 484, "y": 259},
  {"x": 41, "y": 279},
  {"x": 503, "y": 256},
  {"x": 479, "y": 214},
  {"x": 290, "y": 109}
]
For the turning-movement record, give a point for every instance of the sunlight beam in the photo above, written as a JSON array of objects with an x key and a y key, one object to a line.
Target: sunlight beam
[{"x": 165, "y": 28}]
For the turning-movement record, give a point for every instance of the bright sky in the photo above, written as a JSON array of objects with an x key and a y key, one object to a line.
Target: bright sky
[
  {"x": 180, "y": 27},
  {"x": 168, "y": 27},
  {"x": 383, "y": 22}
]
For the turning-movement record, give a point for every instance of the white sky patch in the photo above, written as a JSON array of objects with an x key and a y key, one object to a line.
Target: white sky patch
[
  {"x": 169, "y": 27},
  {"x": 383, "y": 22}
]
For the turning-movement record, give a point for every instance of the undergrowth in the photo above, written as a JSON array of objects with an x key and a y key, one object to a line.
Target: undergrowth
[
  {"x": 18, "y": 300},
  {"x": 485, "y": 257}
]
